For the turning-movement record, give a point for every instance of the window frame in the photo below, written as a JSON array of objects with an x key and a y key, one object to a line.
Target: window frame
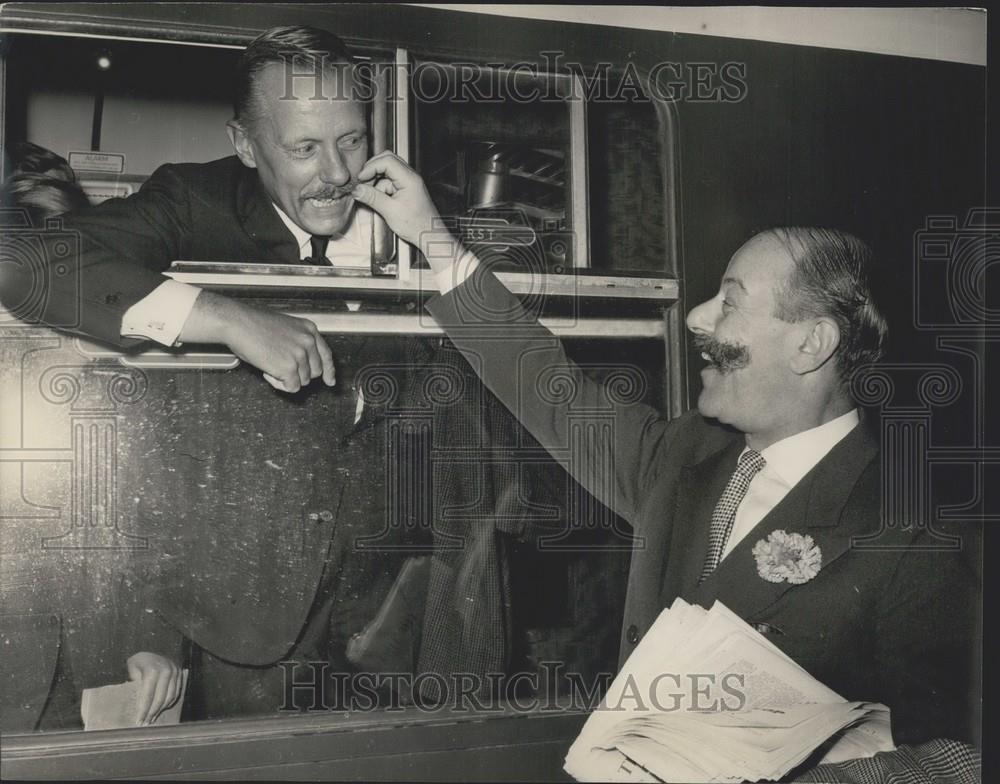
[{"x": 327, "y": 739}]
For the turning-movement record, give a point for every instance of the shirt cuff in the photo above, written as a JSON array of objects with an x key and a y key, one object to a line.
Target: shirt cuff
[
  {"x": 161, "y": 314},
  {"x": 457, "y": 273}
]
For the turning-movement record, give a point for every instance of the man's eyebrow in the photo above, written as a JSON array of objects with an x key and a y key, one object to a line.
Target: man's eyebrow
[
  {"x": 296, "y": 141},
  {"x": 735, "y": 281},
  {"x": 307, "y": 139}
]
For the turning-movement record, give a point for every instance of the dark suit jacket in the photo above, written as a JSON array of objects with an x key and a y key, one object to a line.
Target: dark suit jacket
[
  {"x": 214, "y": 211},
  {"x": 243, "y": 553},
  {"x": 243, "y": 590},
  {"x": 894, "y": 625}
]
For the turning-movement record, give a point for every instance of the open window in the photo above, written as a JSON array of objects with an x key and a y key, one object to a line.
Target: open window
[{"x": 111, "y": 458}]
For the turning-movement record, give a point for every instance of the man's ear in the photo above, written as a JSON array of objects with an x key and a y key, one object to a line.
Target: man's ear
[
  {"x": 241, "y": 143},
  {"x": 816, "y": 346}
]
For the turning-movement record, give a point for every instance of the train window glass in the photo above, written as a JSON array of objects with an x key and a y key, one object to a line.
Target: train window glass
[
  {"x": 142, "y": 105},
  {"x": 294, "y": 553},
  {"x": 156, "y": 103},
  {"x": 496, "y": 148},
  {"x": 358, "y": 548},
  {"x": 629, "y": 156},
  {"x": 547, "y": 171}
]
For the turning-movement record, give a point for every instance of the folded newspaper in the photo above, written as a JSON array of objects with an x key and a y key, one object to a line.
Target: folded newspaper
[{"x": 705, "y": 697}]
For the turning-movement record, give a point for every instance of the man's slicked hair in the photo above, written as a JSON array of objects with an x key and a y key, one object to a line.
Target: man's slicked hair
[
  {"x": 29, "y": 158},
  {"x": 832, "y": 278},
  {"x": 42, "y": 196},
  {"x": 303, "y": 47}
]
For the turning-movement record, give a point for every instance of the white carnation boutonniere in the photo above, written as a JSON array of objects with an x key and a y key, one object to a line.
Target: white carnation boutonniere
[{"x": 787, "y": 558}]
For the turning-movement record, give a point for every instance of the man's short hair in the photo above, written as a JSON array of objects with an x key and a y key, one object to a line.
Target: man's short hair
[
  {"x": 42, "y": 196},
  {"x": 302, "y": 47},
  {"x": 832, "y": 277},
  {"x": 30, "y": 158}
]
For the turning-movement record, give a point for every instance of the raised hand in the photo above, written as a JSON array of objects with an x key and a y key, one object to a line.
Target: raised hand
[{"x": 397, "y": 193}]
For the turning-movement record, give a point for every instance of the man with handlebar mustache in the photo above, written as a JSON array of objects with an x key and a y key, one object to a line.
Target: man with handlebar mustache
[{"x": 757, "y": 498}]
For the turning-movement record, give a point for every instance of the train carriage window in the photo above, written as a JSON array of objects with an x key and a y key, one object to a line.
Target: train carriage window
[
  {"x": 322, "y": 551},
  {"x": 629, "y": 158},
  {"x": 153, "y": 104},
  {"x": 496, "y": 148},
  {"x": 553, "y": 171},
  {"x": 124, "y": 108}
]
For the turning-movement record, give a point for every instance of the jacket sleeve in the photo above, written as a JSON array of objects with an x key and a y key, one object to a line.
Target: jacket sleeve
[
  {"x": 82, "y": 271},
  {"x": 122, "y": 622},
  {"x": 141, "y": 627},
  {"x": 937, "y": 761},
  {"x": 926, "y": 651},
  {"x": 611, "y": 443}
]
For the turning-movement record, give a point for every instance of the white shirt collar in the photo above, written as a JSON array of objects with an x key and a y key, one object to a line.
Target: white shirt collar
[
  {"x": 347, "y": 249},
  {"x": 792, "y": 458}
]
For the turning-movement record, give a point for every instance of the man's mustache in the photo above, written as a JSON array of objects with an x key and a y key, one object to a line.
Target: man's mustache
[
  {"x": 333, "y": 193},
  {"x": 723, "y": 355}
]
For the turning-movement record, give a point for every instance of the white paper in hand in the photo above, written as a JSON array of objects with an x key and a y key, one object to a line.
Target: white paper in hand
[{"x": 117, "y": 706}]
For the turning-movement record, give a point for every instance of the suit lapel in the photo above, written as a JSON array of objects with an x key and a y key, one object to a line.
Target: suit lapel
[
  {"x": 813, "y": 507},
  {"x": 261, "y": 222},
  {"x": 698, "y": 492}
]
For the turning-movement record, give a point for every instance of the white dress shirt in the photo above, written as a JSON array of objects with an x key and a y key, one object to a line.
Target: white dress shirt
[
  {"x": 786, "y": 462},
  {"x": 352, "y": 248},
  {"x": 161, "y": 314},
  {"x": 458, "y": 271}
]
